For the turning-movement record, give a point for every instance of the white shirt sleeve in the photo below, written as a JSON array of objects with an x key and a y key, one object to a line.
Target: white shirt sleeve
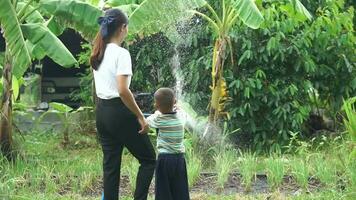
[{"x": 124, "y": 65}]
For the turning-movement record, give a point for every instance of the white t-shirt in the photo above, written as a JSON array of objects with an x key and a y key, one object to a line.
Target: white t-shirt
[{"x": 116, "y": 61}]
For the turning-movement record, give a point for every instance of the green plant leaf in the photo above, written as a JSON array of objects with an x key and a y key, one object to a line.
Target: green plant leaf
[
  {"x": 60, "y": 107},
  {"x": 78, "y": 15},
  {"x": 45, "y": 40},
  {"x": 93, "y": 2},
  {"x": 296, "y": 10},
  {"x": 299, "y": 7},
  {"x": 128, "y": 9},
  {"x": 35, "y": 17},
  {"x": 54, "y": 26},
  {"x": 2, "y": 59},
  {"x": 15, "y": 87},
  {"x": 248, "y": 13},
  {"x": 115, "y": 3},
  {"x": 350, "y": 118},
  {"x": 153, "y": 16},
  {"x": 13, "y": 37}
]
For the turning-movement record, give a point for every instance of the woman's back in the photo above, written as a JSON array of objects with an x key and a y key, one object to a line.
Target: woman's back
[{"x": 116, "y": 61}]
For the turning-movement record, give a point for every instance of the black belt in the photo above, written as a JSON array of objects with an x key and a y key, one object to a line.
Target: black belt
[{"x": 111, "y": 102}]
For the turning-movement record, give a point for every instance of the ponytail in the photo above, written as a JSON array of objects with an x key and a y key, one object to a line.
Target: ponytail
[
  {"x": 98, "y": 51},
  {"x": 109, "y": 24}
]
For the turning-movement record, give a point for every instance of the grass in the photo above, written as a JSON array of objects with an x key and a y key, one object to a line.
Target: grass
[
  {"x": 247, "y": 168},
  {"x": 224, "y": 164},
  {"x": 351, "y": 172},
  {"x": 131, "y": 170},
  {"x": 275, "y": 172},
  {"x": 44, "y": 170},
  {"x": 324, "y": 170},
  {"x": 300, "y": 171},
  {"x": 194, "y": 167}
]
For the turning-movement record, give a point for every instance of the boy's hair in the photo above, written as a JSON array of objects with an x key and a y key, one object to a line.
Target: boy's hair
[{"x": 165, "y": 98}]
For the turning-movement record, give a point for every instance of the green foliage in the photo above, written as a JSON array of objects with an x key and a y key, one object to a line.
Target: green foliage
[
  {"x": 85, "y": 92},
  {"x": 324, "y": 170},
  {"x": 14, "y": 38},
  {"x": 350, "y": 118},
  {"x": 279, "y": 64},
  {"x": 275, "y": 171},
  {"x": 131, "y": 170},
  {"x": 166, "y": 14},
  {"x": 62, "y": 112},
  {"x": 225, "y": 161},
  {"x": 44, "y": 40},
  {"x": 351, "y": 172},
  {"x": 194, "y": 167},
  {"x": 275, "y": 69},
  {"x": 152, "y": 57},
  {"x": 78, "y": 15},
  {"x": 248, "y": 13},
  {"x": 248, "y": 169},
  {"x": 300, "y": 171}
]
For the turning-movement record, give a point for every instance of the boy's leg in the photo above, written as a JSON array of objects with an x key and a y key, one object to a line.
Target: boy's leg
[
  {"x": 162, "y": 179},
  {"x": 140, "y": 146},
  {"x": 179, "y": 184}
]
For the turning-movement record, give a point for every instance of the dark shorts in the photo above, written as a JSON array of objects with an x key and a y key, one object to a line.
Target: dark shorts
[{"x": 171, "y": 177}]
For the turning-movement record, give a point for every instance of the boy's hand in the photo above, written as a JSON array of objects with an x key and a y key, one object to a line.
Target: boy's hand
[{"x": 175, "y": 108}]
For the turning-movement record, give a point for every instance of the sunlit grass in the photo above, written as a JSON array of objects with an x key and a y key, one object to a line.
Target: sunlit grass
[
  {"x": 248, "y": 169},
  {"x": 45, "y": 169}
]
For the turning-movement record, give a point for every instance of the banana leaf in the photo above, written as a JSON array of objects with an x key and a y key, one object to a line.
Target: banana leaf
[
  {"x": 45, "y": 40},
  {"x": 14, "y": 39},
  {"x": 35, "y": 17},
  {"x": 153, "y": 16},
  {"x": 248, "y": 13},
  {"x": 54, "y": 26},
  {"x": 78, "y": 15},
  {"x": 2, "y": 59}
]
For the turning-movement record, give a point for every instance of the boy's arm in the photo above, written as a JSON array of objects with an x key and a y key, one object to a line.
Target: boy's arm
[{"x": 152, "y": 120}]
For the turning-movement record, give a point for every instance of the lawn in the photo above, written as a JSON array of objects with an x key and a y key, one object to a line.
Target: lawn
[{"x": 45, "y": 170}]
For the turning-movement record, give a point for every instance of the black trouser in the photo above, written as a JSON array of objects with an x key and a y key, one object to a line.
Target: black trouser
[
  {"x": 117, "y": 128},
  {"x": 171, "y": 177}
]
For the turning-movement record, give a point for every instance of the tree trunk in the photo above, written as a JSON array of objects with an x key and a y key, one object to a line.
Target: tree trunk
[
  {"x": 212, "y": 131},
  {"x": 217, "y": 72},
  {"x": 6, "y": 110}
]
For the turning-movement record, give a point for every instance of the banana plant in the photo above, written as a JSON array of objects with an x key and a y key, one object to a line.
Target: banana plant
[
  {"x": 231, "y": 11},
  {"x": 221, "y": 21},
  {"x": 28, "y": 35},
  {"x": 62, "y": 111}
]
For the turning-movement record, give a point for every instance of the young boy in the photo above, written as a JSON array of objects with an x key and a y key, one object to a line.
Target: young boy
[{"x": 171, "y": 173}]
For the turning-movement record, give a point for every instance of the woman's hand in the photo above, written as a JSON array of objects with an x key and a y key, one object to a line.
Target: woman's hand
[{"x": 144, "y": 125}]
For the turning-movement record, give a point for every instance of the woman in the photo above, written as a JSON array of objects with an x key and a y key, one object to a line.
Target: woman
[{"x": 120, "y": 122}]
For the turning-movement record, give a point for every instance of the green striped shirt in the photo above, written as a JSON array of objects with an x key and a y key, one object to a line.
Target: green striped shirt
[{"x": 170, "y": 132}]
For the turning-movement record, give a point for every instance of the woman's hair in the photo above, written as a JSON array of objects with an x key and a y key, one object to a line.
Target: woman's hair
[{"x": 109, "y": 24}]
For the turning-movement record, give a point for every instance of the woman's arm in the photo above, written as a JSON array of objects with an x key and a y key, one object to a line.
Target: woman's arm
[{"x": 129, "y": 100}]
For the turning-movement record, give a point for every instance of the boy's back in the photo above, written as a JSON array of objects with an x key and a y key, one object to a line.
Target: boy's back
[
  {"x": 171, "y": 132},
  {"x": 171, "y": 172}
]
